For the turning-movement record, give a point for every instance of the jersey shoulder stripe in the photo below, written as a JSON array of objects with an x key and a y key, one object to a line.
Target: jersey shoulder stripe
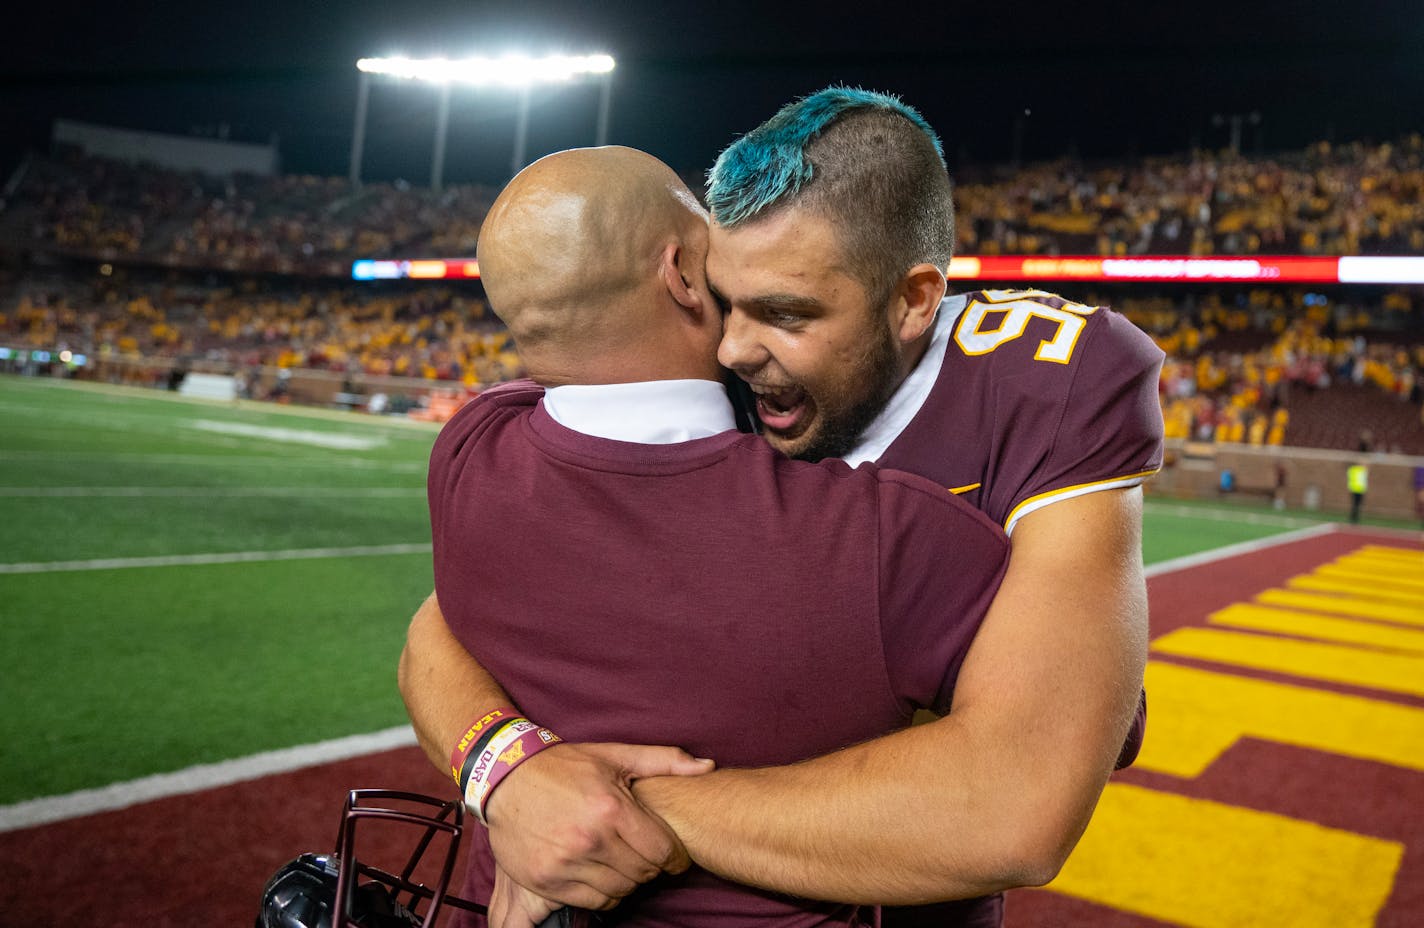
[{"x": 1037, "y": 502}]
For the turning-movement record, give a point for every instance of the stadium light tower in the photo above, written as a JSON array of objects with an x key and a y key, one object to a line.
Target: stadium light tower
[
  {"x": 1235, "y": 120},
  {"x": 513, "y": 71}
]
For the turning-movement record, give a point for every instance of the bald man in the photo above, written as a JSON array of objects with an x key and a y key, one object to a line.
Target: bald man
[{"x": 583, "y": 530}]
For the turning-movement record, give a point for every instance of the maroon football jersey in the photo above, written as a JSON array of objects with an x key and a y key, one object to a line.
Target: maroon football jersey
[
  {"x": 709, "y": 594},
  {"x": 1038, "y": 399}
]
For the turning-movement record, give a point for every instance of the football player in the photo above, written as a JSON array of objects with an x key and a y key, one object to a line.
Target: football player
[{"x": 831, "y": 231}]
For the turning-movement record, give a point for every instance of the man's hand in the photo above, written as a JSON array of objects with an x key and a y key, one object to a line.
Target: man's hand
[
  {"x": 991, "y": 796},
  {"x": 565, "y": 824},
  {"x": 566, "y": 827},
  {"x": 513, "y": 906}
]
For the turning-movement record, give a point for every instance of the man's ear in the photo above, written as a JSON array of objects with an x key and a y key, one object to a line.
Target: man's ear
[
  {"x": 916, "y": 301},
  {"x": 678, "y": 286}
]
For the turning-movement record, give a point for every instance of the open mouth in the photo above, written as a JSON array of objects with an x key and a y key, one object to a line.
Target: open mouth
[{"x": 780, "y": 408}]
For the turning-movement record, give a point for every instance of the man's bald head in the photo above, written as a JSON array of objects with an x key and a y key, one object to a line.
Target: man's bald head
[{"x": 571, "y": 253}]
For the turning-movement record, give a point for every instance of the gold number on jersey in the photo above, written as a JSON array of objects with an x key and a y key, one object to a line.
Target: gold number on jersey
[{"x": 1013, "y": 317}]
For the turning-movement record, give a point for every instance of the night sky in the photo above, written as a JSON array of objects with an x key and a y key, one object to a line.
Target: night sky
[{"x": 1096, "y": 78}]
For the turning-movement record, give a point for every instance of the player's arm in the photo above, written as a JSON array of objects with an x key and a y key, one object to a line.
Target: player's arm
[
  {"x": 993, "y": 795},
  {"x": 564, "y": 823}
]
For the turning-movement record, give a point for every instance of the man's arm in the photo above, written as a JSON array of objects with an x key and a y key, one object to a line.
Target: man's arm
[
  {"x": 564, "y": 823},
  {"x": 995, "y": 794},
  {"x": 444, "y": 688}
]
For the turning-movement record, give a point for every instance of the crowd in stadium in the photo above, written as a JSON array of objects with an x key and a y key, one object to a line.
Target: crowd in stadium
[
  {"x": 284, "y": 223},
  {"x": 1352, "y": 199},
  {"x": 1234, "y": 356},
  {"x": 1346, "y": 199},
  {"x": 1245, "y": 396},
  {"x": 433, "y": 333}
]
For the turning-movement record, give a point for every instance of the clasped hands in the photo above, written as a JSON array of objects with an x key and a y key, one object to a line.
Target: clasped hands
[{"x": 567, "y": 830}]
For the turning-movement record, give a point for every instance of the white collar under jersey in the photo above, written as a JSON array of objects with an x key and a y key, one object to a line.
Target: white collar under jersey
[
  {"x": 906, "y": 401},
  {"x": 657, "y": 412}
]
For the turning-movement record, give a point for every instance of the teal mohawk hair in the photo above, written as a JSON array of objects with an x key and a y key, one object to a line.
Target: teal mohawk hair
[{"x": 770, "y": 162}]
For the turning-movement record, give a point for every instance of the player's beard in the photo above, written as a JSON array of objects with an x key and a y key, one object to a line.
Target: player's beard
[{"x": 844, "y": 418}]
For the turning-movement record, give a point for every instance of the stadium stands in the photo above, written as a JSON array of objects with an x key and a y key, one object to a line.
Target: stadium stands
[
  {"x": 1348, "y": 199},
  {"x": 1326, "y": 200},
  {"x": 86, "y": 206},
  {"x": 137, "y": 327},
  {"x": 247, "y": 275}
]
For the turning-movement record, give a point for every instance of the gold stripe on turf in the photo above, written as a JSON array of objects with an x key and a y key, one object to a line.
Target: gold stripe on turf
[
  {"x": 1206, "y": 864},
  {"x": 1322, "y": 627},
  {"x": 1384, "y": 567},
  {"x": 1196, "y": 715},
  {"x": 1358, "y": 607},
  {"x": 1389, "y": 551},
  {"x": 1392, "y": 581},
  {"x": 1368, "y": 570},
  {"x": 1319, "y": 584},
  {"x": 1380, "y": 670}
]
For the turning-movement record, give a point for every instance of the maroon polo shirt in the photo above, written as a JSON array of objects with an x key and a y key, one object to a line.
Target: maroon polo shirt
[{"x": 709, "y": 594}]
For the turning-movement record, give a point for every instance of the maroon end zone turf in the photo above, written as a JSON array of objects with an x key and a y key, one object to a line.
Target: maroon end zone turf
[
  {"x": 198, "y": 859},
  {"x": 201, "y": 859},
  {"x": 1354, "y": 795}
]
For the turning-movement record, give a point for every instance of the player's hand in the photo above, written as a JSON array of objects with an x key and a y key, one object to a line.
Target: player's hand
[
  {"x": 513, "y": 906},
  {"x": 565, "y": 824}
]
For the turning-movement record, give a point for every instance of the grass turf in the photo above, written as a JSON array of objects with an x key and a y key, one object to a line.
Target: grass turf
[{"x": 115, "y": 674}]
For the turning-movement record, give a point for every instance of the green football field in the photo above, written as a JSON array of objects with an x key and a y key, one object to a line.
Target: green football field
[{"x": 184, "y": 581}]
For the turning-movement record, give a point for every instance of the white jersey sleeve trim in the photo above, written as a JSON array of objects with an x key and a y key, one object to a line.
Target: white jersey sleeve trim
[{"x": 1034, "y": 503}]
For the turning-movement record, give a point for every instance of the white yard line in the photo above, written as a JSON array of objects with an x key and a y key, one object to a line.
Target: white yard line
[
  {"x": 118, "y": 392},
  {"x": 1230, "y": 551},
  {"x": 140, "y": 457},
  {"x": 208, "y": 776},
  {"x": 227, "y": 557},
  {"x": 340, "y": 441},
  {"x": 1227, "y": 515},
  {"x": 195, "y": 779},
  {"x": 281, "y": 492}
]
